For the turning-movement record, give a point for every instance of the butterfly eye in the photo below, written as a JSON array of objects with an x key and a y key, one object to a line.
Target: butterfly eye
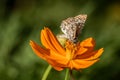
[{"x": 64, "y": 30}]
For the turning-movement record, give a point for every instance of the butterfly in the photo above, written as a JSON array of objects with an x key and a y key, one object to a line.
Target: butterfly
[{"x": 72, "y": 26}]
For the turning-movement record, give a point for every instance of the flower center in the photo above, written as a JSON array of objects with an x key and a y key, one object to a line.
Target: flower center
[{"x": 70, "y": 50}]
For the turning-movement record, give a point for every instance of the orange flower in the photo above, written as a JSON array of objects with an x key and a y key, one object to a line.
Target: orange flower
[{"x": 73, "y": 56}]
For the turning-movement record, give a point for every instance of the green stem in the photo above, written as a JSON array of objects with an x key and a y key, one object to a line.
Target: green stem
[
  {"x": 46, "y": 72},
  {"x": 67, "y": 74}
]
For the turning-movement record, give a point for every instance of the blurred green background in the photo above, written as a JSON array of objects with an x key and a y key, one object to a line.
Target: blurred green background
[{"x": 22, "y": 20}]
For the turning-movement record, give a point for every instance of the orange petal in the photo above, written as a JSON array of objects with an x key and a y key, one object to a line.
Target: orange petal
[
  {"x": 91, "y": 55},
  {"x": 81, "y": 50},
  {"x": 41, "y": 52},
  {"x": 58, "y": 58},
  {"x": 57, "y": 68},
  {"x": 86, "y": 46},
  {"x": 80, "y": 64},
  {"x": 45, "y": 40},
  {"x": 50, "y": 41},
  {"x": 55, "y": 42},
  {"x": 44, "y": 54},
  {"x": 89, "y": 42},
  {"x": 55, "y": 65}
]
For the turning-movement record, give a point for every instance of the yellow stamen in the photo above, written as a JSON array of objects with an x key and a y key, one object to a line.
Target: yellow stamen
[{"x": 70, "y": 50}]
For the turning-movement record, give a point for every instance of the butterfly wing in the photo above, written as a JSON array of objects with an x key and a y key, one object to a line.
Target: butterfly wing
[{"x": 72, "y": 27}]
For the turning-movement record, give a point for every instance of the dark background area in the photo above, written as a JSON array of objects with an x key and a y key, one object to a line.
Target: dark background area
[{"x": 22, "y": 20}]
